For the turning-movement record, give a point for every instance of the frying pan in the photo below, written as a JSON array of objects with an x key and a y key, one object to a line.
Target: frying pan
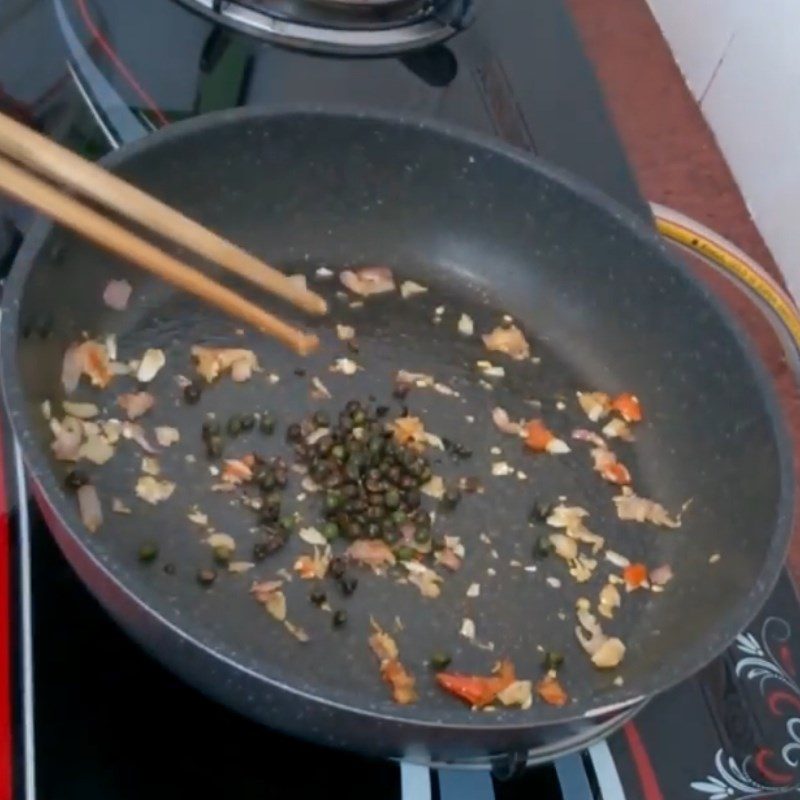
[{"x": 490, "y": 231}]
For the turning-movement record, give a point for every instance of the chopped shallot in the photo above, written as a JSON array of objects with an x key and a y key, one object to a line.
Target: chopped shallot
[
  {"x": 411, "y": 288},
  {"x": 466, "y": 327},
  {"x": 551, "y": 691},
  {"x": 618, "y": 429},
  {"x": 96, "y": 449},
  {"x": 118, "y": 507},
  {"x": 595, "y": 405},
  {"x": 71, "y": 368},
  {"x": 116, "y": 294},
  {"x": 518, "y": 693},
  {"x": 136, "y": 404},
  {"x": 134, "y": 431},
  {"x": 661, "y": 576},
  {"x": 345, "y": 332},
  {"x": 424, "y": 578},
  {"x": 346, "y": 366},
  {"x": 640, "y": 509},
  {"x": 80, "y": 410},
  {"x": 448, "y": 559},
  {"x": 611, "y": 470},
  {"x": 68, "y": 438},
  {"x": 609, "y": 600},
  {"x": 152, "y": 490},
  {"x": 605, "y": 652},
  {"x": 368, "y": 280},
  {"x": 319, "y": 390},
  {"x": 214, "y": 361},
  {"x": 509, "y": 340},
  {"x": 91, "y": 359},
  {"x": 312, "y": 536},
  {"x": 582, "y": 435},
  {"x": 372, "y": 552},
  {"x": 150, "y": 365},
  {"x": 392, "y": 671},
  {"x": 167, "y": 436},
  {"x": 610, "y": 654},
  {"x": 565, "y": 547},
  {"x": 89, "y": 507},
  {"x": 434, "y": 487},
  {"x": 504, "y": 424},
  {"x": 269, "y": 594},
  {"x": 313, "y": 567},
  {"x": 223, "y": 540},
  {"x": 236, "y": 470}
]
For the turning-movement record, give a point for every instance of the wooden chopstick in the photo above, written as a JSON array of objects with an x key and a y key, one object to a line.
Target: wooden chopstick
[
  {"x": 63, "y": 166},
  {"x": 71, "y": 213}
]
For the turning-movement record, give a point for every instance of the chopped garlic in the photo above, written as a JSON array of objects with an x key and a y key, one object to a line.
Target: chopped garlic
[
  {"x": 410, "y": 288},
  {"x": 466, "y": 327}
]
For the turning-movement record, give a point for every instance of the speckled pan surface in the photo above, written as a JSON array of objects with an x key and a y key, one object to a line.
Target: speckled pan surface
[{"x": 490, "y": 232}]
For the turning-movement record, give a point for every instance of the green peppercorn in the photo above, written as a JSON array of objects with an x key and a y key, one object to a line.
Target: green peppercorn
[
  {"x": 422, "y": 536},
  {"x": 330, "y": 530},
  {"x": 351, "y": 406},
  {"x": 266, "y": 424},
  {"x": 552, "y": 660},
  {"x": 333, "y": 501},
  {"x": 205, "y": 577},
  {"x": 234, "y": 426},
  {"x": 286, "y": 524},
  {"x": 210, "y": 428},
  {"x": 373, "y": 530},
  {"x": 294, "y": 433},
  {"x": 354, "y": 530},
  {"x": 248, "y": 422},
  {"x": 214, "y": 446},
  {"x": 148, "y": 552},
  {"x": 348, "y": 584},
  {"x": 392, "y": 499},
  {"x": 399, "y": 517},
  {"x": 222, "y": 554},
  {"x": 405, "y": 553},
  {"x": 543, "y": 547},
  {"x": 338, "y": 452},
  {"x": 439, "y": 661},
  {"x": 192, "y": 393},
  {"x": 339, "y": 618},
  {"x": 359, "y": 418},
  {"x": 337, "y": 567},
  {"x": 267, "y": 480}
]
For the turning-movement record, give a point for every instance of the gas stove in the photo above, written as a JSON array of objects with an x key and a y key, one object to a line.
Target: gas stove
[{"x": 91, "y": 715}]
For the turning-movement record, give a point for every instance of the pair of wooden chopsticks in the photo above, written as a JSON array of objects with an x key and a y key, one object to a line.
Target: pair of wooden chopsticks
[{"x": 29, "y": 149}]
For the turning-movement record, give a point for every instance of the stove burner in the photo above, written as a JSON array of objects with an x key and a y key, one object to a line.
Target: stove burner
[{"x": 343, "y": 27}]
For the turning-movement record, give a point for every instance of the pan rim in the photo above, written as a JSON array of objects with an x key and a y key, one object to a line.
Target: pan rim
[{"x": 685, "y": 664}]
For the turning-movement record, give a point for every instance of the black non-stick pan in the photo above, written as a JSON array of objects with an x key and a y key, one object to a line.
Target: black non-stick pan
[{"x": 490, "y": 232}]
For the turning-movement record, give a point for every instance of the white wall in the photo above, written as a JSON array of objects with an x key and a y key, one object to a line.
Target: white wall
[{"x": 741, "y": 60}]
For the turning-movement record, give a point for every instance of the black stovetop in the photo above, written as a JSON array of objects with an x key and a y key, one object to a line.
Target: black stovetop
[{"x": 94, "y": 716}]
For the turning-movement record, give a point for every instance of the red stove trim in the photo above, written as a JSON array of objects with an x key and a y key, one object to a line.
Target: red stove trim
[
  {"x": 119, "y": 63},
  {"x": 644, "y": 767}
]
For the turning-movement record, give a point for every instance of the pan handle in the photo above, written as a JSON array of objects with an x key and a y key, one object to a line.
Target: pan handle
[{"x": 731, "y": 262}]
